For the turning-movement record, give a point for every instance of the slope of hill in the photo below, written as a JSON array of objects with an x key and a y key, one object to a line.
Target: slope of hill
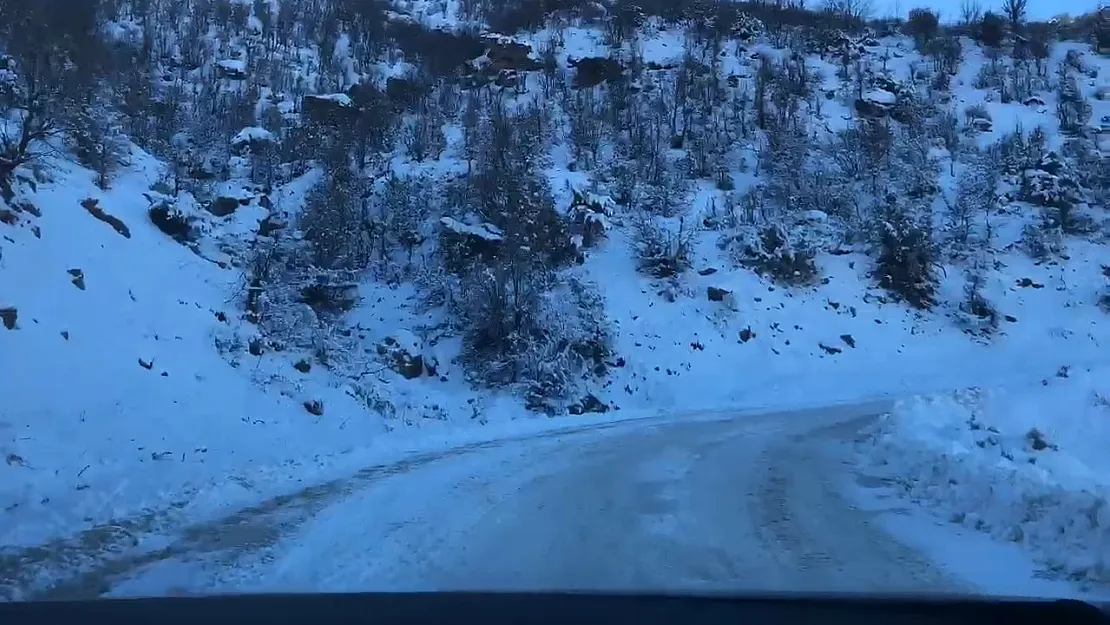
[
  {"x": 115, "y": 396},
  {"x": 306, "y": 234}
]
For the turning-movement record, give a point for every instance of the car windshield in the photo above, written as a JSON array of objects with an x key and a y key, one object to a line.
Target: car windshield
[{"x": 637, "y": 295}]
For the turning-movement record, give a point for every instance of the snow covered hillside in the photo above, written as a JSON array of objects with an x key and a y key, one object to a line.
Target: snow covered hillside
[
  {"x": 247, "y": 245},
  {"x": 115, "y": 396}
]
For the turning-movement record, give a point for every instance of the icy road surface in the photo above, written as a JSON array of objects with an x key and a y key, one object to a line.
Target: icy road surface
[{"x": 708, "y": 502}]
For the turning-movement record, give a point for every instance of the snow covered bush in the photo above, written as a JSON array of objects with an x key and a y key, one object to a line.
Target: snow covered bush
[
  {"x": 975, "y": 196},
  {"x": 989, "y": 77},
  {"x": 1072, "y": 109},
  {"x": 662, "y": 247},
  {"x": 497, "y": 307},
  {"x": 991, "y": 30},
  {"x": 907, "y": 257},
  {"x": 1090, "y": 167},
  {"x": 589, "y": 218},
  {"x": 1052, "y": 184},
  {"x": 463, "y": 245},
  {"x": 423, "y": 135},
  {"x": 575, "y": 345},
  {"x": 98, "y": 140},
  {"x": 771, "y": 251},
  {"x": 666, "y": 198},
  {"x": 503, "y": 248},
  {"x": 294, "y": 302},
  {"x": 522, "y": 331},
  {"x": 923, "y": 25},
  {"x": 332, "y": 221},
  {"x": 43, "y": 54},
  {"x": 397, "y": 218},
  {"x": 1043, "y": 241},
  {"x": 976, "y": 111},
  {"x": 1018, "y": 151},
  {"x": 976, "y": 312}
]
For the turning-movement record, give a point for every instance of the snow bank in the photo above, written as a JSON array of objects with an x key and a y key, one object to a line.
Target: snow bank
[{"x": 1025, "y": 465}]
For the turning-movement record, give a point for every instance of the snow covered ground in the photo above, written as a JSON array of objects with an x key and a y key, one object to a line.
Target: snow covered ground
[
  {"x": 115, "y": 398},
  {"x": 834, "y": 342},
  {"x": 1024, "y": 464}
]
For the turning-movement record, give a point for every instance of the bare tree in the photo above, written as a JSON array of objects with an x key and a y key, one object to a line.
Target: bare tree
[
  {"x": 52, "y": 59},
  {"x": 332, "y": 222},
  {"x": 971, "y": 11},
  {"x": 1015, "y": 12},
  {"x": 973, "y": 199},
  {"x": 849, "y": 10},
  {"x": 30, "y": 103}
]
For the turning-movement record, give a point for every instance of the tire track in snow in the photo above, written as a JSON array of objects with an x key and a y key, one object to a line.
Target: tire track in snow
[{"x": 88, "y": 564}]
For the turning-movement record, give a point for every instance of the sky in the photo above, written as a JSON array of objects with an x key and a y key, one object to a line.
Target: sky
[{"x": 949, "y": 9}]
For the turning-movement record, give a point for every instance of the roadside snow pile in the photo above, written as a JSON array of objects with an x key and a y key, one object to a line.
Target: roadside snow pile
[{"x": 1028, "y": 467}]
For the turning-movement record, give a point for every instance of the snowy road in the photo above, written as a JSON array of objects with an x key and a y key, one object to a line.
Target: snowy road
[{"x": 709, "y": 502}]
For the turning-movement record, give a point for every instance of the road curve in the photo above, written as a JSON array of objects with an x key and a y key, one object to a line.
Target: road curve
[{"x": 719, "y": 503}]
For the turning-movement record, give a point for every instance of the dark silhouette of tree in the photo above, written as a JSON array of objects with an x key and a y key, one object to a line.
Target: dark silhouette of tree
[
  {"x": 992, "y": 30},
  {"x": 1015, "y": 12},
  {"x": 923, "y": 25},
  {"x": 54, "y": 55}
]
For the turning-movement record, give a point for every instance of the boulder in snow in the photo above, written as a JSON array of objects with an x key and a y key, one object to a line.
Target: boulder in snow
[
  {"x": 815, "y": 216},
  {"x": 228, "y": 199},
  {"x": 464, "y": 243},
  {"x": 231, "y": 69},
  {"x": 77, "y": 277},
  {"x": 507, "y": 53},
  {"x": 872, "y": 108},
  {"x": 251, "y": 139},
  {"x": 979, "y": 124},
  {"x": 881, "y": 97},
  {"x": 717, "y": 294},
  {"x": 329, "y": 296},
  {"x": 8, "y": 316},
  {"x": 332, "y": 109},
  {"x": 222, "y": 206},
  {"x": 402, "y": 353},
  {"x": 271, "y": 224},
  {"x": 594, "y": 70},
  {"x": 90, "y": 205},
  {"x": 171, "y": 221},
  {"x": 588, "y": 404}
]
